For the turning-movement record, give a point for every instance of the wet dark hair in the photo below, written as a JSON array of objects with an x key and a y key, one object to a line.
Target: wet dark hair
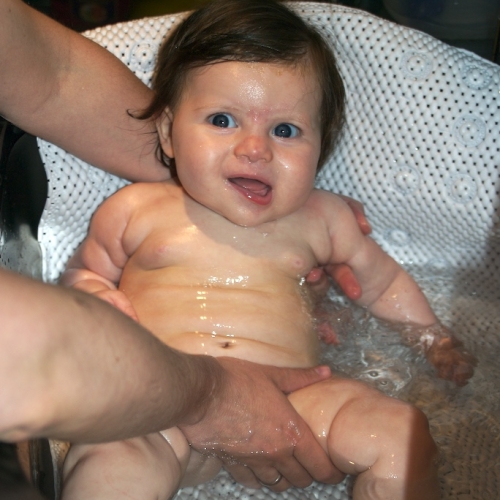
[{"x": 262, "y": 31}]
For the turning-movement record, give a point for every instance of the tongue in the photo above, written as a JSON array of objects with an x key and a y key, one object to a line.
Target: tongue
[{"x": 253, "y": 189}]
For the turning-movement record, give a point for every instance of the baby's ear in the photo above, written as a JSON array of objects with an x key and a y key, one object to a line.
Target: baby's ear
[{"x": 164, "y": 127}]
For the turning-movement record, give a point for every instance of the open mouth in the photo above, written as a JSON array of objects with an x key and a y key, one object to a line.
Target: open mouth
[{"x": 257, "y": 191}]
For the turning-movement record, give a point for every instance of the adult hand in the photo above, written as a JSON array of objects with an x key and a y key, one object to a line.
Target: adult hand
[
  {"x": 252, "y": 427},
  {"x": 342, "y": 274}
]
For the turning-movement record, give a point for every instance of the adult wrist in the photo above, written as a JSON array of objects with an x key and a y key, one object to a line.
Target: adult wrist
[{"x": 207, "y": 383}]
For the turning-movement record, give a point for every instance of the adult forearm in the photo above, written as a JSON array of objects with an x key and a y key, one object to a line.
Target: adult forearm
[
  {"x": 60, "y": 86},
  {"x": 74, "y": 368}
]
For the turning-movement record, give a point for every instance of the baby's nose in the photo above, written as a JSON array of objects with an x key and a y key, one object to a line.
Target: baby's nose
[{"x": 255, "y": 148}]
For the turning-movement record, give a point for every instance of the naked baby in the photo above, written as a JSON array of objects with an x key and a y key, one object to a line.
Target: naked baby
[{"x": 248, "y": 104}]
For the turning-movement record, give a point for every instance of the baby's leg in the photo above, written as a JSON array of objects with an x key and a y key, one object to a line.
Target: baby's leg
[
  {"x": 382, "y": 440},
  {"x": 149, "y": 467}
]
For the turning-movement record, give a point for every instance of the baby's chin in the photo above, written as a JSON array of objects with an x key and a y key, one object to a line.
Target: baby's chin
[{"x": 251, "y": 220}]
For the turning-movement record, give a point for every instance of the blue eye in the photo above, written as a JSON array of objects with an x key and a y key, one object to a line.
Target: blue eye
[
  {"x": 286, "y": 130},
  {"x": 222, "y": 120}
]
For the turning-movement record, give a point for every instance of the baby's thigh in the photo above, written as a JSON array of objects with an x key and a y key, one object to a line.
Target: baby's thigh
[
  {"x": 148, "y": 467},
  {"x": 196, "y": 468},
  {"x": 361, "y": 428}
]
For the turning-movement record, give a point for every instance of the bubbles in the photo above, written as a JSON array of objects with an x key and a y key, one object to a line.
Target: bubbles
[
  {"x": 390, "y": 378},
  {"x": 369, "y": 350},
  {"x": 231, "y": 280}
]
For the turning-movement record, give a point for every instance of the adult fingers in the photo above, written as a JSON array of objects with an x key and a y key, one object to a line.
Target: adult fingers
[
  {"x": 305, "y": 463},
  {"x": 342, "y": 274},
  {"x": 269, "y": 478},
  {"x": 307, "y": 458},
  {"x": 243, "y": 475},
  {"x": 288, "y": 380},
  {"x": 281, "y": 473},
  {"x": 312, "y": 457}
]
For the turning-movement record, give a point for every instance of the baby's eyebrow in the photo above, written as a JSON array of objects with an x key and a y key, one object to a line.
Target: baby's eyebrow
[
  {"x": 299, "y": 118},
  {"x": 216, "y": 106}
]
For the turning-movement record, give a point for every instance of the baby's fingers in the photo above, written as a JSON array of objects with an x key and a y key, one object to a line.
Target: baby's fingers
[{"x": 456, "y": 365}]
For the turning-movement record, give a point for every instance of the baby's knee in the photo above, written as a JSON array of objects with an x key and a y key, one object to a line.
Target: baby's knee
[
  {"x": 408, "y": 431},
  {"x": 383, "y": 433},
  {"x": 406, "y": 449},
  {"x": 406, "y": 465}
]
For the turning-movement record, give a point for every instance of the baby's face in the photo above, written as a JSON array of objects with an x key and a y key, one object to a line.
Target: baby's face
[{"x": 246, "y": 139}]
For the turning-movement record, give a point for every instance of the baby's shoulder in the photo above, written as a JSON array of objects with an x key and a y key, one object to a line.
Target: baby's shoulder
[
  {"x": 142, "y": 193},
  {"x": 321, "y": 200},
  {"x": 133, "y": 200},
  {"x": 333, "y": 210}
]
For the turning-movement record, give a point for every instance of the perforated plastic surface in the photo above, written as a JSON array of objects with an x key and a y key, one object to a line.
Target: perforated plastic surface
[
  {"x": 420, "y": 150},
  {"x": 421, "y": 140}
]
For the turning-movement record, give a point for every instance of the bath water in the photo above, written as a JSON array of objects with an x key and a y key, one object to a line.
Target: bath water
[{"x": 465, "y": 422}]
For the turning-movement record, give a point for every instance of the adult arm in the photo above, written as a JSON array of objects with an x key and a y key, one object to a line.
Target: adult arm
[
  {"x": 74, "y": 368},
  {"x": 58, "y": 85}
]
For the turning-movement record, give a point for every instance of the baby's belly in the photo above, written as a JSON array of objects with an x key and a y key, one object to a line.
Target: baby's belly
[{"x": 263, "y": 326}]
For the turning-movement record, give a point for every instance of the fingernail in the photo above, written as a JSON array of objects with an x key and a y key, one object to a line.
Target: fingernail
[{"x": 323, "y": 371}]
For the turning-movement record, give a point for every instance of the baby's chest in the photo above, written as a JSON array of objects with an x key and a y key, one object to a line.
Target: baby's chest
[{"x": 241, "y": 251}]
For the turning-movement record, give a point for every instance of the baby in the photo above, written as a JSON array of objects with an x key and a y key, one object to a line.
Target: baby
[{"x": 248, "y": 104}]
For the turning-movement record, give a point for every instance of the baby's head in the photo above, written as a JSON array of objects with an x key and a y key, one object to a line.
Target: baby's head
[{"x": 258, "y": 31}]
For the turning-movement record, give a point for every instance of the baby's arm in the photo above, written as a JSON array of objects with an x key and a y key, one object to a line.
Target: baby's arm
[
  {"x": 390, "y": 293},
  {"x": 97, "y": 265},
  {"x": 341, "y": 273},
  {"x": 387, "y": 290}
]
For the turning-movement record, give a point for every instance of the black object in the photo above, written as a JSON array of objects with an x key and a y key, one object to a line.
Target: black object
[
  {"x": 13, "y": 483},
  {"x": 23, "y": 192}
]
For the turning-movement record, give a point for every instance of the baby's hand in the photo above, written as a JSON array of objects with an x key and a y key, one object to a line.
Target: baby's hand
[
  {"x": 451, "y": 360},
  {"x": 118, "y": 299},
  {"x": 446, "y": 353}
]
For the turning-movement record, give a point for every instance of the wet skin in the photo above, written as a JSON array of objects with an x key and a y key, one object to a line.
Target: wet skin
[{"x": 215, "y": 264}]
